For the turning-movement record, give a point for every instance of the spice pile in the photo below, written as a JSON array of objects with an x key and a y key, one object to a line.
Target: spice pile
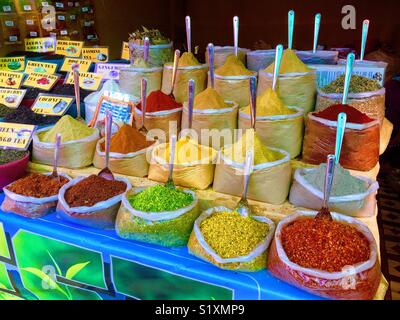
[
  {"x": 160, "y": 198},
  {"x": 233, "y": 67},
  {"x": 154, "y": 36},
  {"x": 188, "y": 150},
  {"x": 4, "y": 110},
  {"x": 323, "y": 244},
  {"x": 38, "y": 186},
  {"x": 159, "y": 101},
  {"x": 92, "y": 190},
  {"x": 231, "y": 235},
  {"x": 209, "y": 99},
  {"x": 250, "y": 141},
  {"x": 27, "y": 116},
  {"x": 358, "y": 84},
  {"x": 127, "y": 140},
  {"x": 188, "y": 60},
  {"x": 290, "y": 63},
  {"x": 343, "y": 182},
  {"x": 353, "y": 115},
  {"x": 8, "y": 155},
  {"x": 69, "y": 128},
  {"x": 269, "y": 104}
]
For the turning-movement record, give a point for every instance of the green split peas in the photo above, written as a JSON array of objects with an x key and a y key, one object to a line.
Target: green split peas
[{"x": 358, "y": 84}]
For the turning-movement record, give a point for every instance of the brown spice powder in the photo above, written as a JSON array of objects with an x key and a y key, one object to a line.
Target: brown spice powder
[
  {"x": 93, "y": 189},
  {"x": 323, "y": 244}
]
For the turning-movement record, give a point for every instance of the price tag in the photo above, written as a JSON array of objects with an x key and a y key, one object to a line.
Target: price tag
[
  {"x": 87, "y": 80},
  {"x": 51, "y": 104},
  {"x": 119, "y": 111},
  {"x": 11, "y": 79},
  {"x": 15, "y": 135},
  {"x": 15, "y": 64},
  {"x": 125, "y": 51},
  {"x": 59, "y": 5},
  {"x": 41, "y": 81},
  {"x": 40, "y": 67},
  {"x": 27, "y": 7},
  {"x": 95, "y": 54},
  {"x": 13, "y": 38},
  {"x": 11, "y": 97},
  {"x": 69, "y": 48},
  {"x": 9, "y": 23},
  {"x": 47, "y": 44},
  {"x": 70, "y": 63},
  {"x": 6, "y": 8},
  {"x": 110, "y": 71}
]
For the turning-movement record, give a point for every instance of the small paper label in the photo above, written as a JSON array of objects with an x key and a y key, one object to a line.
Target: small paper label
[
  {"x": 6, "y": 8},
  {"x": 51, "y": 104},
  {"x": 40, "y": 44},
  {"x": 33, "y": 34},
  {"x": 27, "y": 7},
  {"x": 15, "y": 135},
  {"x": 29, "y": 22},
  {"x": 59, "y": 5},
  {"x": 9, "y": 23},
  {"x": 45, "y": 4},
  {"x": 41, "y": 81},
  {"x": 95, "y": 54},
  {"x": 61, "y": 18},
  {"x": 40, "y": 67},
  {"x": 110, "y": 71},
  {"x": 11, "y": 97},
  {"x": 87, "y": 80},
  {"x": 69, "y": 48},
  {"x": 13, "y": 38},
  {"x": 125, "y": 51},
  {"x": 70, "y": 63},
  {"x": 11, "y": 79},
  {"x": 15, "y": 64},
  {"x": 64, "y": 32}
]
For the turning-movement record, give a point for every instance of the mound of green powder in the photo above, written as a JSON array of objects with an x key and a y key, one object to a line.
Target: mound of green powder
[
  {"x": 358, "y": 84},
  {"x": 343, "y": 182},
  {"x": 160, "y": 198}
]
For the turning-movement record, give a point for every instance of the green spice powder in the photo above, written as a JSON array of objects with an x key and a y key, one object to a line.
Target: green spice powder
[
  {"x": 9, "y": 155},
  {"x": 231, "y": 235},
  {"x": 343, "y": 182},
  {"x": 160, "y": 198},
  {"x": 358, "y": 84}
]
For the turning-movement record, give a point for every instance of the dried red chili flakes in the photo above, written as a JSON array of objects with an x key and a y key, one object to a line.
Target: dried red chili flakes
[{"x": 323, "y": 244}]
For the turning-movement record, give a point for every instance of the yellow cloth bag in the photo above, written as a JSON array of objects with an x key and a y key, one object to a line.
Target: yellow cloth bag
[{"x": 130, "y": 80}]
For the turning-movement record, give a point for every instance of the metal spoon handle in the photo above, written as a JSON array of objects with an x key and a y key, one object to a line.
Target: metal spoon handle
[
  {"x": 210, "y": 49},
  {"x": 172, "y": 146},
  {"x": 248, "y": 165},
  {"x": 175, "y": 69},
  {"x": 77, "y": 92},
  {"x": 236, "y": 34},
  {"x": 317, "y": 25},
  {"x": 56, "y": 153},
  {"x": 341, "y": 127},
  {"x": 191, "y": 101},
  {"x": 290, "y": 28},
  {"x": 109, "y": 121},
  {"x": 146, "y": 49},
  {"x": 278, "y": 59},
  {"x": 330, "y": 171},
  {"x": 188, "y": 33},
  {"x": 143, "y": 93},
  {"x": 253, "y": 101},
  {"x": 347, "y": 79},
  {"x": 364, "y": 38}
]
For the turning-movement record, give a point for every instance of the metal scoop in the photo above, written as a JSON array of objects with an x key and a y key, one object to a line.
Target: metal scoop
[
  {"x": 56, "y": 157},
  {"x": 106, "y": 172},
  {"x": 243, "y": 206},
  {"x": 172, "y": 144},
  {"x": 324, "y": 213}
]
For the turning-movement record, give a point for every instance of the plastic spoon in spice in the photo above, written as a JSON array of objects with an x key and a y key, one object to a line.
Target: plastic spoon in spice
[
  {"x": 324, "y": 213},
  {"x": 143, "y": 92},
  {"x": 317, "y": 25},
  {"x": 236, "y": 35},
  {"x": 146, "y": 49},
  {"x": 364, "y": 38},
  {"x": 188, "y": 33},
  {"x": 77, "y": 93},
  {"x": 243, "y": 206},
  {"x": 106, "y": 172},
  {"x": 190, "y": 102},
  {"x": 341, "y": 127},
  {"x": 56, "y": 157},
  {"x": 347, "y": 79},
  {"x": 174, "y": 71},
  {"x": 277, "y": 66},
  {"x": 290, "y": 28},
  {"x": 210, "y": 49},
  {"x": 253, "y": 101},
  {"x": 172, "y": 144}
]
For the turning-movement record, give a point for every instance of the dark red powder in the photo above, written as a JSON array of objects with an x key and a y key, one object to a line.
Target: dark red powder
[
  {"x": 159, "y": 101},
  {"x": 353, "y": 115}
]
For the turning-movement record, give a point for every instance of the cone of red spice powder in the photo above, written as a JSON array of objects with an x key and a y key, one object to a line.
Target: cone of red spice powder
[
  {"x": 159, "y": 101},
  {"x": 353, "y": 115}
]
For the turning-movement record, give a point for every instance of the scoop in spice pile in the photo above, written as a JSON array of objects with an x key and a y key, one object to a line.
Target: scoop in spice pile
[
  {"x": 92, "y": 190},
  {"x": 8, "y": 155},
  {"x": 209, "y": 99},
  {"x": 188, "y": 60},
  {"x": 38, "y": 186},
  {"x": 290, "y": 63},
  {"x": 358, "y": 84},
  {"x": 159, "y": 101}
]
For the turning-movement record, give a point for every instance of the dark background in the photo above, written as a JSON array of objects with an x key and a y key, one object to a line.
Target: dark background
[{"x": 259, "y": 20}]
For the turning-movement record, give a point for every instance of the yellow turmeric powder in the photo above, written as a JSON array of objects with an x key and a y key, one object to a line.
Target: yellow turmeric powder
[
  {"x": 290, "y": 63},
  {"x": 233, "y": 67},
  {"x": 209, "y": 99},
  {"x": 188, "y": 150},
  {"x": 188, "y": 60},
  {"x": 250, "y": 141},
  {"x": 269, "y": 104}
]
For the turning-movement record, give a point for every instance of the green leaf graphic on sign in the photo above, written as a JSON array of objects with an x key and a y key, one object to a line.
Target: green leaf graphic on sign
[
  {"x": 71, "y": 273},
  {"x": 5, "y": 282},
  {"x": 3, "y": 243}
]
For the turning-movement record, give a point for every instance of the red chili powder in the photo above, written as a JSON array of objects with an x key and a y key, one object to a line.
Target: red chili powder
[
  {"x": 159, "y": 101},
  {"x": 353, "y": 115},
  {"x": 323, "y": 244},
  {"x": 93, "y": 189}
]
